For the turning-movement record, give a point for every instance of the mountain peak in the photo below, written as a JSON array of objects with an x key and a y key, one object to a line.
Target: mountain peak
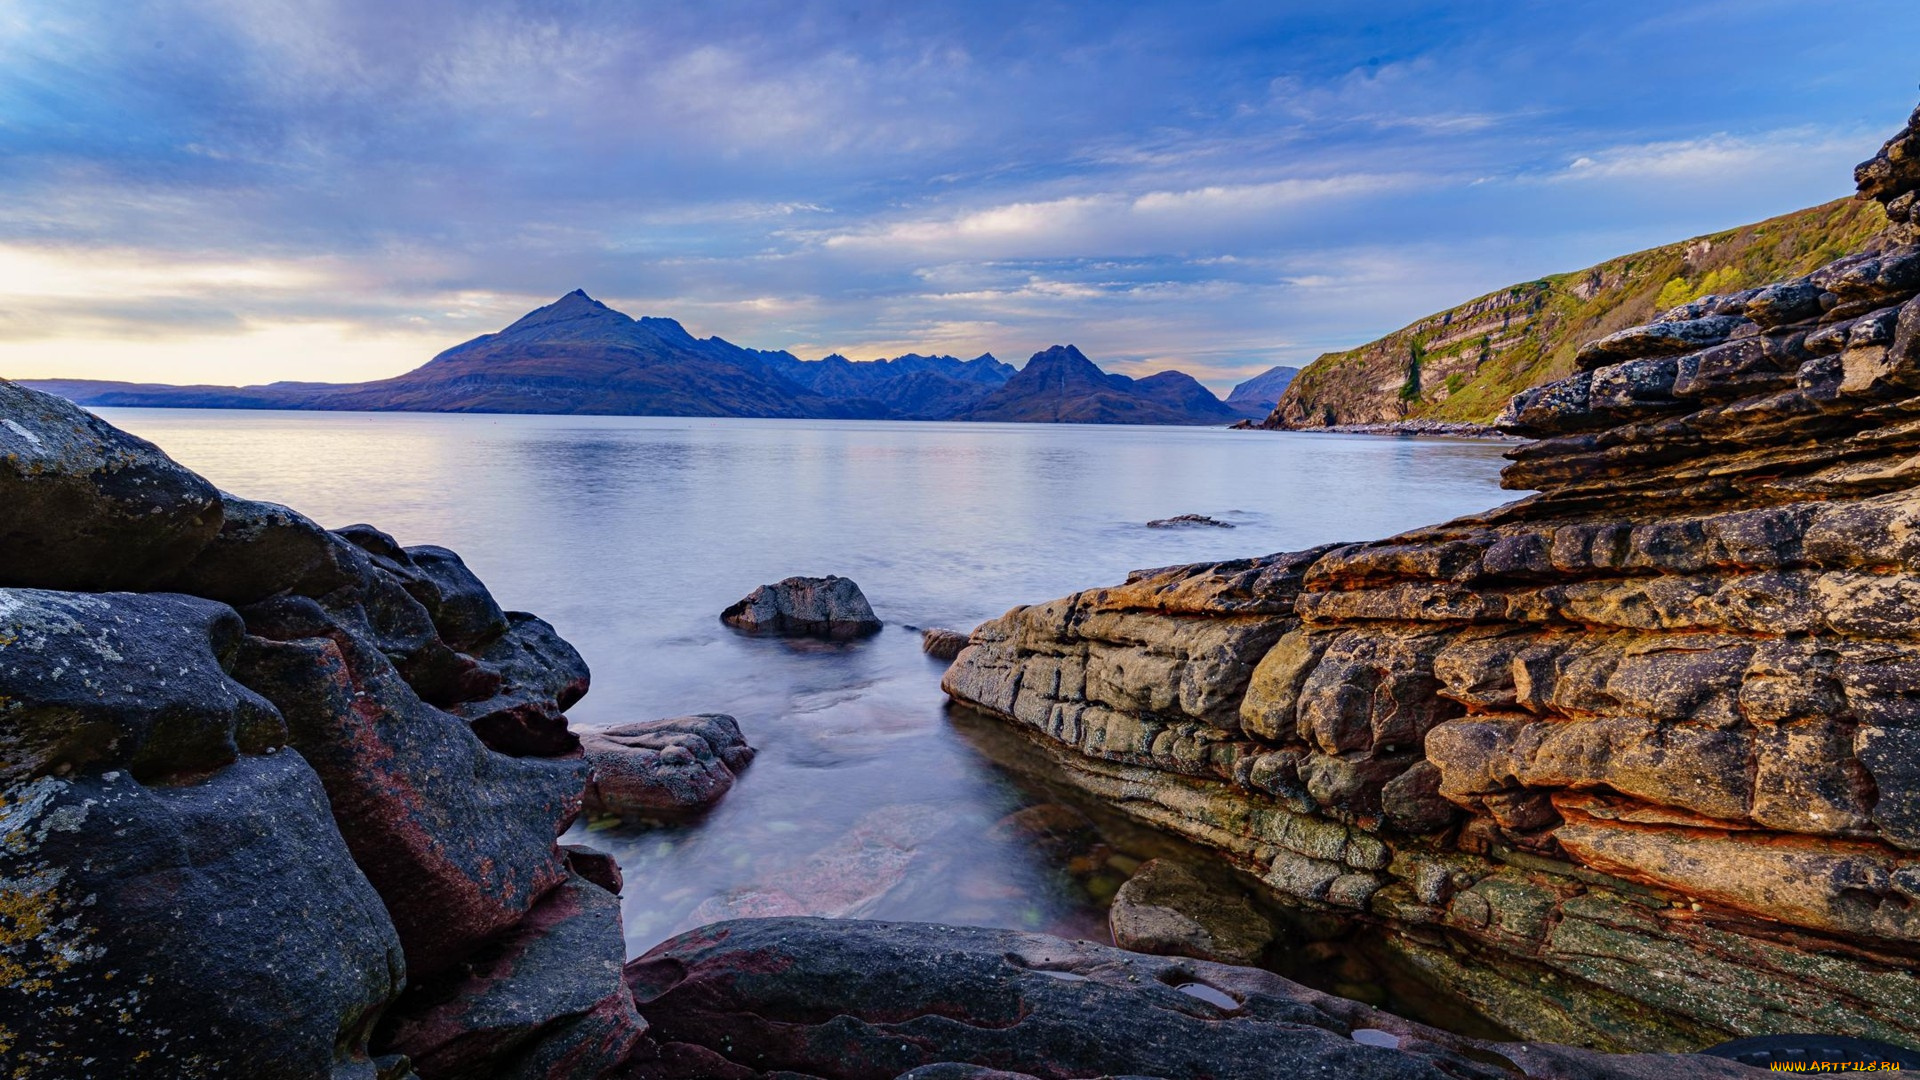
[{"x": 574, "y": 305}]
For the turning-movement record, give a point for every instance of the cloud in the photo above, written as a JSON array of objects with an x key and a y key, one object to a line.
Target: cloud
[{"x": 1718, "y": 157}]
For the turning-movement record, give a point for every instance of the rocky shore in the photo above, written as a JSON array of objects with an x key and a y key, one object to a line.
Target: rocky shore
[{"x": 1632, "y": 762}]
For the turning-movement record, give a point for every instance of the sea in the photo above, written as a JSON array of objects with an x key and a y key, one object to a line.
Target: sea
[{"x": 870, "y": 796}]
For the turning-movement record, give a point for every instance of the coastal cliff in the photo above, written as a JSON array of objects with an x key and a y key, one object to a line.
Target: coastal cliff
[
  {"x": 1461, "y": 365},
  {"x": 1632, "y": 762}
]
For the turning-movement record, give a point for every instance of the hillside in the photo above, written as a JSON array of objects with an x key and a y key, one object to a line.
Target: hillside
[
  {"x": 1463, "y": 364},
  {"x": 1062, "y": 386},
  {"x": 1257, "y": 396}
]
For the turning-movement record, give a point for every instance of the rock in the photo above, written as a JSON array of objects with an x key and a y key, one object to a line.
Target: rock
[
  {"x": 942, "y": 644},
  {"x": 1164, "y": 909},
  {"x": 663, "y": 769},
  {"x": 828, "y": 607},
  {"x": 1653, "y": 718},
  {"x": 77, "y": 686},
  {"x": 882, "y": 856},
  {"x": 596, "y": 866},
  {"x": 545, "y": 999},
  {"x": 535, "y": 677},
  {"x": 89, "y": 506},
  {"x": 1189, "y": 521},
  {"x": 910, "y": 996},
  {"x": 457, "y": 838},
  {"x": 216, "y": 927},
  {"x": 1055, "y": 828}
]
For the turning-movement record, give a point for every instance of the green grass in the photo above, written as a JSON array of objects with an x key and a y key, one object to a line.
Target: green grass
[{"x": 1541, "y": 324}]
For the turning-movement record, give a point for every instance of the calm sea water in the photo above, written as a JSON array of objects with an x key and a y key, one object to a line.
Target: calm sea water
[{"x": 630, "y": 534}]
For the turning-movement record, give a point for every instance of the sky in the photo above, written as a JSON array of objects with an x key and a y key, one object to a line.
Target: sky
[{"x": 242, "y": 191}]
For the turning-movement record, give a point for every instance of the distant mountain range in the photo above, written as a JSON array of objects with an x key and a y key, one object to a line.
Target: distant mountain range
[
  {"x": 1257, "y": 396},
  {"x": 577, "y": 355}
]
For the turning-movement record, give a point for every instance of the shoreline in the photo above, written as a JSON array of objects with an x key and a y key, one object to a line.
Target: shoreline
[{"x": 1442, "y": 428}]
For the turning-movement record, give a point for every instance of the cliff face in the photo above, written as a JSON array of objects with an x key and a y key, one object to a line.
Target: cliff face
[
  {"x": 1463, "y": 364},
  {"x": 1634, "y": 762}
]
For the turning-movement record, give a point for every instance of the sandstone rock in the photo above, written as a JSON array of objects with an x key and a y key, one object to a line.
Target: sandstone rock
[
  {"x": 89, "y": 506},
  {"x": 828, "y": 607},
  {"x": 663, "y": 769},
  {"x": 942, "y": 644},
  {"x": 1189, "y": 521},
  {"x": 921, "y": 997},
  {"x": 1164, "y": 909},
  {"x": 1653, "y": 718}
]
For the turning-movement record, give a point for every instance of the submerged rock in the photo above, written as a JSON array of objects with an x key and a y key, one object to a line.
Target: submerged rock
[
  {"x": 1189, "y": 521},
  {"x": 942, "y": 644},
  {"x": 663, "y": 769},
  {"x": 828, "y": 607},
  {"x": 1629, "y": 761},
  {"x": 1165, "y": 909}
]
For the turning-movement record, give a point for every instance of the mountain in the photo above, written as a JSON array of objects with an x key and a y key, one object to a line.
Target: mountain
[
  {"x": 1257, "y": 396},
  {"x": 1464, "y": 363},
  {"x": 577, "y": 355},
  {"x": 910, "y": 387},
  {"x": 1062, "y": 386}
]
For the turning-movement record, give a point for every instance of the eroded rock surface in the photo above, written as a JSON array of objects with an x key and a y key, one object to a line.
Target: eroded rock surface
[
  {"x": 1630, "y": 761},
  {"x": 876, "y": 1000},
  {"x": 663, "y": 769},
  {"x": 1166, "y": 909}
]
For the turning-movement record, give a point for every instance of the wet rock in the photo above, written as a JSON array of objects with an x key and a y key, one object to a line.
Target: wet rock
[
  {"x": 89, "y": 506},
  {"x": 1166, "y": 910},
  {"x": 545, "y": 999},
  {"x": 263, "y": 549},
  {"x": 1055, "y": 828},
  {"x": 882, "y": 856},
  {"x": 1189, "y": 521},
  {"x": 910, "y": 996},
  {"x": 828, "y": 607},
  {"x": 942, "y": 644},
  {"x": 663, "y": 769}
]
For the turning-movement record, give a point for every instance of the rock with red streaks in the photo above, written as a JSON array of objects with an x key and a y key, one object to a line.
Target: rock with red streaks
[
  {"x": 457, "y": 838},
  {"x": 542, "y": 1001}
]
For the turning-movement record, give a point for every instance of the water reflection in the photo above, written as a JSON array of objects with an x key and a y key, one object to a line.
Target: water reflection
[{"x": 631, "y": 534}]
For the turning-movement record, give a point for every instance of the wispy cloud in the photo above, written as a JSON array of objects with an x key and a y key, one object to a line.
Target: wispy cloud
[{"x": 220, "y": 189}]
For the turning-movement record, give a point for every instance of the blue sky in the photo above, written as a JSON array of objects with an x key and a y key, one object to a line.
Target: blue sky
[{"x": 248, "y": 190}]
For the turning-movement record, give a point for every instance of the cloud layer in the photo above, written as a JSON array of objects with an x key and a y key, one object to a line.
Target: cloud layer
[{"x": 248, "y": 190}]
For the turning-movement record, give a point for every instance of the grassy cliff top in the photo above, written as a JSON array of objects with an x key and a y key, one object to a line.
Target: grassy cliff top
[{"x": 1463, "y": 364}]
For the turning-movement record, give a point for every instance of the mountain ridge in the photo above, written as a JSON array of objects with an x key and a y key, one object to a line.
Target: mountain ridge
[{"x": 576, "y": 355}]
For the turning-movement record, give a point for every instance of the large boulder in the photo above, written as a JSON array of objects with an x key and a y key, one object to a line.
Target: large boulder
[
  {"x": 88, "y": 506},
  {"x": 875, "y": 1001},
  {"x": 663, "y": 769},
  {"x": 166, "y": 860},
  {"x": 828, "y": 607}
]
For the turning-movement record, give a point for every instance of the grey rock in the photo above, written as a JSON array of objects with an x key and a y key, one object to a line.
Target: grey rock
[
  {"x": 1164, "y": 908},
  {"x": 828, "y": 607}
]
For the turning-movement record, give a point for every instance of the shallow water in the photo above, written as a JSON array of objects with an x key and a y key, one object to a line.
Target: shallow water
[{"x": 630, "y": 534}]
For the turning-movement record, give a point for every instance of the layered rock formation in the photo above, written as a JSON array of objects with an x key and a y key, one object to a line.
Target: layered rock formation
[
  {"x": 1632, "y": 762},
  {"x": 243, "y": 809}
]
